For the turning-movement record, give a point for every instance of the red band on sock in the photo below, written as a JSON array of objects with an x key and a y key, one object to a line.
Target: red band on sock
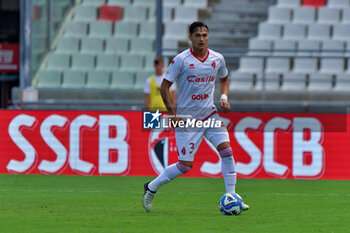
[
  {"x": 183, "y": 168},
  {"x": 226, "y": 152}
]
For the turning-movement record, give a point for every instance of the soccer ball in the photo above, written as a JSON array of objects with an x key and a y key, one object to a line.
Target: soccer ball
[{"x": 231, "y": 204}]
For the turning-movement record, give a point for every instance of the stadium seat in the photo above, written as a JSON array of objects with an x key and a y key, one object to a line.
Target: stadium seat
[
  {"x": 83, "y": 62},
  {"x": 167, "y": 14},
  {"x": 328, "y": 15},
  {"x": 49, "y": 79},
  {"x": 269, "y": 31},
  {"x": 108, "y": 62},
  {"x": 110, "y": 13},
  {"x": 125, "y": 29},
  {"x": 347, "y": 49},
  {"x": 259, "y": 47},
  {"x": 175, "y": 30},
  {"x": 141, "y": 46},
  {"x": 332, "y": 65},
  {"x": 67, "y": 45},
  {"x": 314, "y": 3},
  {"x": 332, "y": 48},
  {"x": 135, "y": 14},
  {"x": 241, "y": 81},
  {"x": 305, "y": 65},
  {"x": 97, "y": 80},
  {"x": 73, "y": 79},
  {"x": 342, "y": 82},
  {"x": 185, "y": 14},
  {"x": 85, "y": 13},
  {"x": 58, "y": 11},
  {"x": 75, "y": 29},
  {"x": 196, "y": 3},
  {"x": 279, "y": 15},
  {"x": 341, "y": 32},
  {"x": 39, "y": 3},
  {"x": 251, "y": 65},
  {"x": 119, "y": 2},
  {"x": 149, "y": 63},
  {"x": 169, "y": 46},
  {"x": 320, "y": 82},
  {"x": 140, "y": 79},
  {"x": 100, "y": 29},
  {"x": 308, "y": 47},
  {"x": 64, "y": 3},
  {"x": 143, "y": 3},
  {"x": 152, "y": 15},
  {"x": 148, "y": 30},
  {"x": 58, "y": 62},
  {"x": 36, "y": 58},
  {"x": 348, "y": 65},
  {"x": 93, "y": 2},
  {"x": 122, "y": 80},
  {"x": 293, "y": 82},
  {"x": 117, "y": 46},
  {"x": 304, "y": 15},
  {"x": 338, "y": 4},
  {"x": 171, "y": 3},
  {"x": 346, "y": 16},
  {"x": 39, "y": 27},
  {"x": 36, "y": 10},
  {"x": 294, "y": 31},
  {"x": 131, "y": 63},
  {"x": 272, "y": 81},
  {"x": 284, "y": 47},
  {"x": 91, "y": 45},
  {"x": 39, "y": 43},
  {"x": 319, "y": 32},
  {"x": 288, "y": 3},
  {"x": 277, "y": 65}
]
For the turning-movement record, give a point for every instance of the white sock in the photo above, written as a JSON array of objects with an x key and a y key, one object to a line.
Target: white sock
[
  {"x": 228, "y": 171},
  {"x": 166, "y": 176}
]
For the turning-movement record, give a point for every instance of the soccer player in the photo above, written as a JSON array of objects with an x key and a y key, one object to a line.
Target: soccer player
[{"x": 195, "y": 71}]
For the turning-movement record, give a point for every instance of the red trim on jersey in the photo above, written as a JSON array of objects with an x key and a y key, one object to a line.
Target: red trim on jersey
[
  {"x": 209, "y": 116},
  {"x": 201, "y": 60}
]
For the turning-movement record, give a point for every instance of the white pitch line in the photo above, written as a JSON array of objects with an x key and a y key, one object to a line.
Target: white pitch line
[
  {"x": 165, "y": 192},
  {"x": 303, "y": 194}
]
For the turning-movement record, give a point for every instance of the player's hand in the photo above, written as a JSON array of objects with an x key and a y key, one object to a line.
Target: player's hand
[{"x": 226, "y": 107}]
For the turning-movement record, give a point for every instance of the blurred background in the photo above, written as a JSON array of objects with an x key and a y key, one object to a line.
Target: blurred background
[{"x": 283, "y": 55}]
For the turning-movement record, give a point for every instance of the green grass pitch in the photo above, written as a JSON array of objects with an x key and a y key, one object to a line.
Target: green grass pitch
[{"x": 39, "y": 203}]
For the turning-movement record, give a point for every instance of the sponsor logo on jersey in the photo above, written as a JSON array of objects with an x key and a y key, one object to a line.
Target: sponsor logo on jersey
[
  {"x": 213, "y": 65},
  {"x": 200, "y": 97},
  {"x": 191, "y": 66},
  {"x": 194, "y": 78}
]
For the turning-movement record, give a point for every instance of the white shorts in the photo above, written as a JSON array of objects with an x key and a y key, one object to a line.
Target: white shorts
[{"x": 189, "y": 139}]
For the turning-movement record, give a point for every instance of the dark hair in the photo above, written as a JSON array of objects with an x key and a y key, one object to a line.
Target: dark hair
[
  {"x": 195, "y": 25},
  {"x": 158, "y": 60}
]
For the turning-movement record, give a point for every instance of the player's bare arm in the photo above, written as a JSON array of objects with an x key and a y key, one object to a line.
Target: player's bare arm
[
  {"x": 224, "y": 88},
  {"x": 173, "y": 97},
  {"x": 167, "y": 98}
]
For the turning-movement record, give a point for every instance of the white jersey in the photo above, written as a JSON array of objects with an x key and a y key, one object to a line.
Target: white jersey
[{"x": 195, "y": 79}]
